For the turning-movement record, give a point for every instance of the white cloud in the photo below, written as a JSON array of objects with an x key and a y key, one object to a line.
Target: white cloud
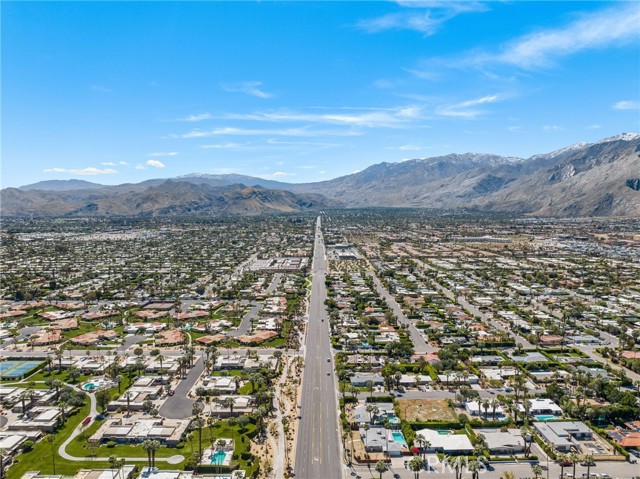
[
  {"x": 155, "y": 163},
  {"x": 552, "y": 128},
  {"x": 197, "y": 117},
  {"x": 81, "y": 171},
  {"x": 224, "y": 146},
  {"x": 140, "y": 167},
  {"x": 427, "y": 21},
  {"x": 248, "y": 87},
  {"x": 161, "y": 154},
  {"x": 294, "y": 132},
  {"x": 280, "y": 174},
  {"x": 593, "y": 127},
  {"x": 108, "y": 163},
  {"x": 405, "y": 148},
  {"x": 599, "y": 29},
  {"x": 515, "y": 129},
  {"x": 371, "y": 117},
  {"x": 464, "y": 109},
  {"x": 626, "y": 105},
  {"x": 123, "y": 163}
]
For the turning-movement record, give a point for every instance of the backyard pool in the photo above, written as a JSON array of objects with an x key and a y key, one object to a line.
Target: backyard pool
[
  {"x": 545, "y": 417},
  {"x": 95, "y": 384},
  {"x": 398, "y": 437},
  {"x": 221, "y": 458}
]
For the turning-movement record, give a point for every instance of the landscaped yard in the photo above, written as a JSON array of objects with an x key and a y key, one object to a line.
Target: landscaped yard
[{"x": 426, "y": 410}]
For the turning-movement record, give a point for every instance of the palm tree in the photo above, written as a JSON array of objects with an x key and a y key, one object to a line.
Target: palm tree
[
  {"x": 486, "y": 405},
  {"x": 146, "y": 446},
  {"x": 366, "y": 435},
  {"x": 526, "y": 433},
  {"x": 589, "y": 462},
  {"x": 474, "y": 468},
  {"x": 422, "y": 443},
  {"x": 229, "y": 402},
  {"x": 537, "y": 470},
  {"x": 562, "y": 460},
  {"x": 456, "y": 463},
  {"x": 155, "y": 445},
  {"x": 574, "y": 458},
  {"x": 415, "y": 465},
  {"x": 51, "y": 438},
  {"x": 494, "y": 405},
  {"x": 381, "y": 467}
]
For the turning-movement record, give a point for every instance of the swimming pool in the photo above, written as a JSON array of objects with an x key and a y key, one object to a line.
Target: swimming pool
[
  {"x": 393, "y": 419},
  {"x": 398, "y": 437},
  {"x": 95, "y": 384},
  {"x": 545, "y": 417},
  {"x": 219, "y": 458},
  {"x": 442, "y": 432}
]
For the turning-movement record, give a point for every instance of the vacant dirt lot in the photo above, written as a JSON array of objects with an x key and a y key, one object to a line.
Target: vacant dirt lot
[{"x": 424, "y": 410}]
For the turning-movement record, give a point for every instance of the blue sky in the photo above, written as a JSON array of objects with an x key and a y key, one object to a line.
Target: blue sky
[{"x": 122, "y": 92}]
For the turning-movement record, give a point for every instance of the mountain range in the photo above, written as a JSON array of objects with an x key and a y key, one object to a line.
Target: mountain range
[{"x": 585, "y": 179}]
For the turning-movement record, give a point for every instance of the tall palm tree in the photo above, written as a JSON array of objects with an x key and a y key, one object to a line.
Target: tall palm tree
[
  {"x": 537, "y": 471},
  {"x": 51, "y": 438},
  {"x": 146, "y": 446},
  {"x": 574, "y": 458},
  {"x": 474, "y": 468},
  {"x": 415, "y": 465},
  {"x": 381, "y": 467},
  {"x": 155, "y": 445},
  {"x": 589, "y": 462}
]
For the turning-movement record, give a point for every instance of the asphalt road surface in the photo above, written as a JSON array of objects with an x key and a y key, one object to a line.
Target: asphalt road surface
[
  {"x": 420, "y": 345},
  {"x": 318, "y": 446},
  {"x": 179, "y": 406}
]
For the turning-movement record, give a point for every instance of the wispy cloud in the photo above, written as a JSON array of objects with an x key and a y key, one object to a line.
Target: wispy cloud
[
  {"x": 593, "y": 127},
  {"x": 160, "y": 154},
  {"x": 281, "y": 174},
  {"x": 424, "y": 17},
  {"x": 123, "y": 163},
  {"x": 155, "y": 163},
  {"x": 197, "y": 117},
  {"x": 465, "y": 109},
  {"x": 371, "y": 117},
  {"x": 81, "y": 171},
  {"x": 549, "y": 128},
  {"x": 405, "y": 148},
  {"x": 613, "y": 26},
  {"x": 626, "y": 105},
  {"x": 293, "y": 132},
  {"x": 140, "y": 167},
  {"x": 108, "y": 163},
  {"x": 252, "y": 88}
]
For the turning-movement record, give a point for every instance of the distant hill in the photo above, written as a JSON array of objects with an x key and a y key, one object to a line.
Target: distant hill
[
  {"x": 167, "y": 198},
  {"x": 61, "y": 185},
  {"x": 585, "y": 179}
]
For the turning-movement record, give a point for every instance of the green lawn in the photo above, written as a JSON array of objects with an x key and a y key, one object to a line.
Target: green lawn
[
  {"x": 63, "y": 376},
  {"x": 40, "y": 457}
]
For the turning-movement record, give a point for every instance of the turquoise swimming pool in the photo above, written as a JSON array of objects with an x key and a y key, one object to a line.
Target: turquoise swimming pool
[
  {"x": 398, "y": 437},
  {"x": 545, "y": 417},
  {"x": 218, "y": 458}
]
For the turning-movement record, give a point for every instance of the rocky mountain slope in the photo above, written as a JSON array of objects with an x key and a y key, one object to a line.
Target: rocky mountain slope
[
  {"x": 167, "y": 198},
  {"x": 585, "y": 179}
]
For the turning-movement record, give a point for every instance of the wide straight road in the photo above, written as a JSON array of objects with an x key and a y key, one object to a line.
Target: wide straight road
[{"x": 318, "y": 446}]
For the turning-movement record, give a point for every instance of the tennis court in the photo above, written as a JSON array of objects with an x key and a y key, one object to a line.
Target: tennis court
[{"x": 17, "y": 369}]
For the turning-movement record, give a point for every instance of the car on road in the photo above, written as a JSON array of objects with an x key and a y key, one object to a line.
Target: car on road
[
  {"x": 86, "y": 420},
  {"x": 328, "y": 360},
  {"x": 604, "y": 475}
]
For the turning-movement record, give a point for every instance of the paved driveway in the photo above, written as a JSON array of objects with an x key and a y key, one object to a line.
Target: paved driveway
[{"x": 179, "y": 405}]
